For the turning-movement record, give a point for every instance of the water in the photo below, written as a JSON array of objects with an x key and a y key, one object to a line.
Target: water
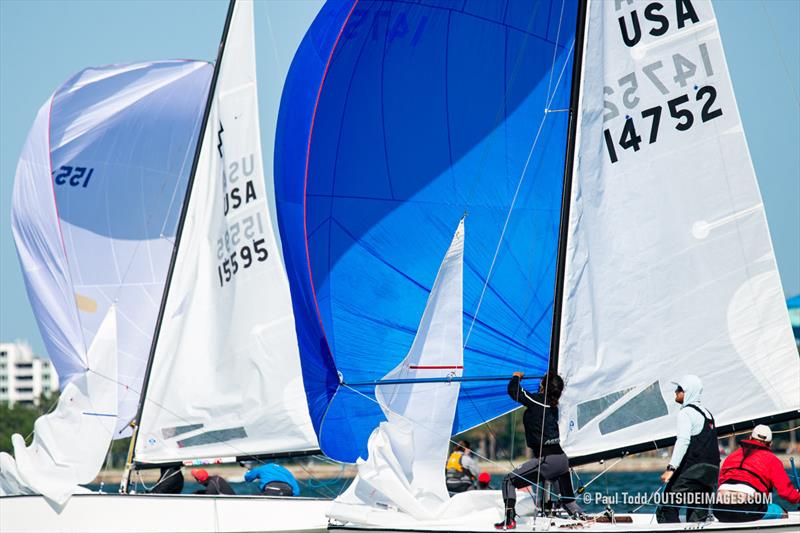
[{"x": 625, "y": 491}]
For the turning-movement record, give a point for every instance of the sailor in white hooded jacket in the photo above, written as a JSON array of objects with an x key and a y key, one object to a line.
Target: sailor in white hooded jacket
[{"x": 694, "y": 465}]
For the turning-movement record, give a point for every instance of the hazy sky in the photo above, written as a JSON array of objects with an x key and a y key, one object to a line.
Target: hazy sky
[{"x": 42, "y": 43}]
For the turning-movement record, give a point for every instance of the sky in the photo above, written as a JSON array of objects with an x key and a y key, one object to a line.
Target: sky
[{"x": 43, "y": 42}]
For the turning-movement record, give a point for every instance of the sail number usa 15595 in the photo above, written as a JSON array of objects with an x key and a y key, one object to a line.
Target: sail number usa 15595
[
  {"x": 680, "y": 114},
  {"x": 255, "y": 251}
]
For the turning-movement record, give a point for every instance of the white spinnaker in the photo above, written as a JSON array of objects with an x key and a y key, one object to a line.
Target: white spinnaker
[
  {"x": 670, "y": 268},
  {"x": 406, "y": 453},
  {"x": 70, "y": 444},
  {"x": 96, "y": 199},
  {"x": 226, "y": 378}
]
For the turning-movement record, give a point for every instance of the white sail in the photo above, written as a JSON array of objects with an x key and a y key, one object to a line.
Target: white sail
[
  {"x": 226, "y": 377},
  {"x": 406, "y": 453},
  {"x": 670, "y": 268},
  {"x": 70, "y": 444}
]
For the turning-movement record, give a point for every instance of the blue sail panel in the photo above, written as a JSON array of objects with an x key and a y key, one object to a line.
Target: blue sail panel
[{"x": 427, "y": 110}]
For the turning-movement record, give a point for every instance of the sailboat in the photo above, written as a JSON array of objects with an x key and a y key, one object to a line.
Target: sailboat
[
  {"x": 222, "y": 383},
  {"x": 617, "y": 235}
]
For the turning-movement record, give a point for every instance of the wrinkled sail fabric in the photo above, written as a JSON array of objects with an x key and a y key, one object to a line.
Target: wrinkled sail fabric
[
  {"x": 406, "y": 453},
  {"x": 226, "y": 377},
  {"x": 670, "y": 268},
  {"x": 70, "y": 444},
  {"x": 96, "y": 199},
  {"x": 396, "y": 118}
]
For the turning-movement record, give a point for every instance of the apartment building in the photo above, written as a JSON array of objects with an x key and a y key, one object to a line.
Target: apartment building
[{"x": 24, "y": 377}]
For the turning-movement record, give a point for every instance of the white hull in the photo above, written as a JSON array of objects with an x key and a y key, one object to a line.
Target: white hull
[
  {"x": 157, "y": 513},
  {"x": 641, "y": 523}
]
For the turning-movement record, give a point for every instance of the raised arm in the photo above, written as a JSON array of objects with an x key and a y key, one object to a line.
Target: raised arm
[{"x": 520, "y": 395}]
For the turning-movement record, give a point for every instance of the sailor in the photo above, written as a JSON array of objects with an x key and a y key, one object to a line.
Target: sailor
[
  {"x": 170, "y": 482},
  {"x": 273, "y": 480},
  {"x": 484, "y": 480},
  {"x": 213, "y": 484},
  {"x": 694, "y": 466},
  {"x": 461, "y": 470},
  {"x": 747, "y": 478},
  {"x": 541, "y": 434}
]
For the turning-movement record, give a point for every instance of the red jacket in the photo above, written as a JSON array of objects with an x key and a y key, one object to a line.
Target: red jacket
[{"x": 754, "y": 464}]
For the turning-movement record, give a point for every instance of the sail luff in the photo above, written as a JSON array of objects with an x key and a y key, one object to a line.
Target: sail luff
[
  {"x": 566, "y": 194},
  {"x": 179, "y": 231}
]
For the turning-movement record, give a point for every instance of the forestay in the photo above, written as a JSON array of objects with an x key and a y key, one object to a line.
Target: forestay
[
  {"x": 404, "y": 464},
  {"x": 226, "y": 373},
  {"x": 670, "y": 268},
  {"x": 70, "y": 444},
  {"x": 96, "y": 200},
  {"x": 396, "y": 118}
]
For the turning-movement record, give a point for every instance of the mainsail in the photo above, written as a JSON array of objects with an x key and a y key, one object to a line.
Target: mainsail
[
  {"x": 397, "y": 118},
  {"x": 670, "y": 268},
  {"x": 96, "y": 199},
  {"x": 225, "y": 379}
]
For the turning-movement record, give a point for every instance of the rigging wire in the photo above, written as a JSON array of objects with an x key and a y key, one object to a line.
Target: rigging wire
[
  {"x": 778, "y": 47},
  {"x": 439, "y": 432}
]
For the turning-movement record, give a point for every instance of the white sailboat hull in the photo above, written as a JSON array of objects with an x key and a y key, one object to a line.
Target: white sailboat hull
[
  {"x": 641, "y": 523},
  {"x": 157, "y": 513}
]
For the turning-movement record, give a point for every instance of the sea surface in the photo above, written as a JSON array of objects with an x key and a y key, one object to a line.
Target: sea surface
[{"x": 623, "y": 491}]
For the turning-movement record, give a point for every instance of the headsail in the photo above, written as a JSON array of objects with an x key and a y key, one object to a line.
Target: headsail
[
  {"x": 670, "y": 268},
  {"x": 396, "y": 118},
  {"x": 95, "y": 205},
  {"x": 70, "y": 444},
  {"x": 225, "y": 378},
  {"x": 404, "y": 464}
]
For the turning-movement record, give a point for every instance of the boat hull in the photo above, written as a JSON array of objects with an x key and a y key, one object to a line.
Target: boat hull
[
  {"x": 639, "y": 523},
  {"x": 157, "y": 513}
]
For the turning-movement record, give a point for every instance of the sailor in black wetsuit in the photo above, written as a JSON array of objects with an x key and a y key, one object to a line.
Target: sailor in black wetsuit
[
  {"x": 170, "y": 482},
  {"x": 211, "y": 484},
  {"x": 541, "y": 434}
]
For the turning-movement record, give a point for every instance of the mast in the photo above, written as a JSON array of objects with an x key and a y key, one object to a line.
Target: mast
[
  {"x": 184, "y": 209},
  {"x": 566, "y": 192}
]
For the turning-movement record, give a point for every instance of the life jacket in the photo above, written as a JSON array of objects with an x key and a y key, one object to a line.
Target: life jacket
[
  {"x": 703, "y": 447},
  {"x": 454, "y": 468},
  {"x": 752, "y": 464}
]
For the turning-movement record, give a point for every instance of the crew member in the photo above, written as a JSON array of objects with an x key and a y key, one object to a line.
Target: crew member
[
  {"x": 694, "y": 466},
  {"x": 273, "y": 480},
  {"x": 542, "y": 437},
  {"x": 747, "y": 478},
  {"x": 212, "y": 484},
  {"x": 461, "y": 470}
]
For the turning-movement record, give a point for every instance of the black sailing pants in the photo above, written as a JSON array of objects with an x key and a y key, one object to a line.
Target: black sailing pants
[{"x": 699, "y": 480}]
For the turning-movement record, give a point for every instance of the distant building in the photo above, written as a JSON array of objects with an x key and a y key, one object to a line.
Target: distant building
[{"x": 24, "y": 377}]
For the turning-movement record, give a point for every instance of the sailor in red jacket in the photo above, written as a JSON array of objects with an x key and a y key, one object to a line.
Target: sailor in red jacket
[{"x": 747, "y": 478}]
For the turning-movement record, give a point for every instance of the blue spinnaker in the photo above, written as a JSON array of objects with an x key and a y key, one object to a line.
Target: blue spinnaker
[
  {"x": 97, "y": 195},
  {"x": 396, "y": 119}
]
